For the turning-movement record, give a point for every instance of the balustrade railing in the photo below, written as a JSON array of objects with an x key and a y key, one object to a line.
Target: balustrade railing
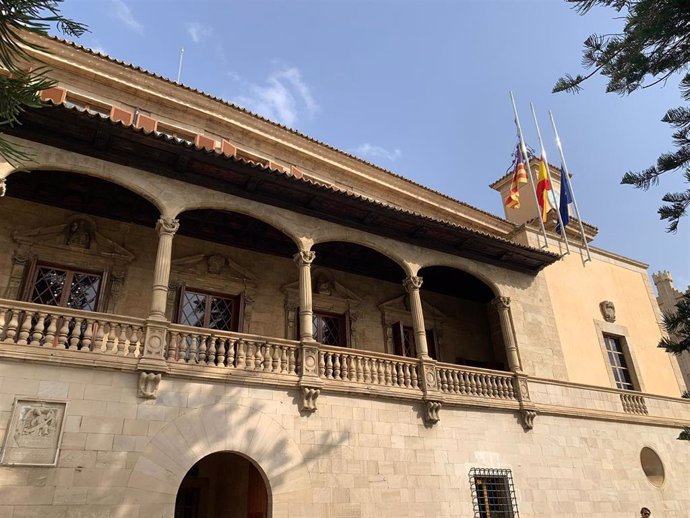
[
  {"x": 465, "y": 382},
  {"x": 634, "y": 404},
  {"x": 208, "y": 347},
  {"x": 36, "y": 325},
  {"x": 366, "y": 367}
]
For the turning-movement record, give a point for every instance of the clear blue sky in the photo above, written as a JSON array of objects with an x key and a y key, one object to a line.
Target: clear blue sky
[{"x": 421, "y": 88}]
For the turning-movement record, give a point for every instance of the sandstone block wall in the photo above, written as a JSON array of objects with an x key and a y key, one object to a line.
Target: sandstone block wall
[{"x": 355, "y": 457}]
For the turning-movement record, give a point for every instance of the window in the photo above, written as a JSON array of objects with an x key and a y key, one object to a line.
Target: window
[
  {"x": 329, "y": 329},
  {"x": 493, "y": 495},
  {"x": 404, "y": 341},
  {"x": 60, "y": 286},
  {"x": 619, "y": 365},
  {"x": 209, "y": 310}
]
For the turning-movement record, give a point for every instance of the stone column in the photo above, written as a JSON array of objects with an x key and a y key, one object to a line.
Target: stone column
[
  {"x": 153, "y": 361},
  {"x": 412, "y": 285},
  {"x": 502, "y": 305},
  {"x": 306, "y": 325},
  {"x": 432, "y": 399},
  {"x": 166, "y": 228},
  {"x": 309, "y": 383}
]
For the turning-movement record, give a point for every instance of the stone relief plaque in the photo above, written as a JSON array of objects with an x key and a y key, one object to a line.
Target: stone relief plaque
[{"x": 34, "y": 433}]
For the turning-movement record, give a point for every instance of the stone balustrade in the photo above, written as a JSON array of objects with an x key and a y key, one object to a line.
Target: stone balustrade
[
  {"x": 463, "y": 381},
  {"x": 50, "y": 327},
  {"x": 208, "y": 347},
  {"x": 634, "y": 404},
  {"x": 336, "y": 363},
  {"x": 39, "y": 333}
]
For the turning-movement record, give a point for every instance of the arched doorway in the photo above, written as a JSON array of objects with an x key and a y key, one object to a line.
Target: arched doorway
[{"x": 222, "y": 485}]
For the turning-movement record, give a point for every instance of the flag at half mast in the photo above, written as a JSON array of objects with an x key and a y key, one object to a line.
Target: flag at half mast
[
  {"x": 543, "y": 188},
  {"x": 512, "y": 201},
  {"x": 566, "y": 200}
]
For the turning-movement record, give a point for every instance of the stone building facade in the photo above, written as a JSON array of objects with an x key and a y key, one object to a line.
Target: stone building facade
[
  {"x": 206, "y": 314},
  {"x": 667, "y": 297}
]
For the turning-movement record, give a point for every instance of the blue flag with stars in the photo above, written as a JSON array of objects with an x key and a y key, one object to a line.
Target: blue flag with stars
[{"x": 565, "y": 201}]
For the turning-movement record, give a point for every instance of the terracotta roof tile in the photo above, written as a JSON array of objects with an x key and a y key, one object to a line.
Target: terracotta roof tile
[{"x": 294, "y": 177}]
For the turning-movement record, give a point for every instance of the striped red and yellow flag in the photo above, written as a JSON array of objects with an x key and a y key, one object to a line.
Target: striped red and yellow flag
[
  {"x": 543, "y": 188},
  {"x": 519, "y": 177}
]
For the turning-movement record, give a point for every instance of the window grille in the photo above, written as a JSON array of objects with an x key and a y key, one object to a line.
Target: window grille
[
  {"x": 57, "y": 286},
  {"x": 493, "y": 494},
  {"x": 208, "y": 310},
  {"x": 329, "y": 329},
  {"x": 619, "y": 365}
]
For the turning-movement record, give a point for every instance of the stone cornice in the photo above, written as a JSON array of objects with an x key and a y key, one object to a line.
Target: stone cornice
[{"x": 168, "y": 95}]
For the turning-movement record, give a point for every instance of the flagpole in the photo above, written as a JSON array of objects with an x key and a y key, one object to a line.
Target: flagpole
[
  {"x": 523, "y": 150},
  {"x": 548, "y": 172},
  {"x": 570, "y": 186}
]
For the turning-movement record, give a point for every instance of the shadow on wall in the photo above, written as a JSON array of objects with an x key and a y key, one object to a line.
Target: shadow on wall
[{"x": 254, "y": 431}]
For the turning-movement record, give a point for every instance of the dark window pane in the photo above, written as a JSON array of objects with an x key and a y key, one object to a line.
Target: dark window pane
[
  {"x": 493, "y": 496},
  {"x": 193, "y": 309},
  {"x": 48, "y": 287},
  {"x": 221, "y": 314},
  {"x": 329, "y": 329},
  {"x": 84, "y": 291}
]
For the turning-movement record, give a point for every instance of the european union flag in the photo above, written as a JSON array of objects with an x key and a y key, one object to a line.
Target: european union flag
[{"x": 566, "y": 199}]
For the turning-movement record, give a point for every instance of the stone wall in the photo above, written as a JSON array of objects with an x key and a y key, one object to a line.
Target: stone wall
[{"x": 124, "y": 457}]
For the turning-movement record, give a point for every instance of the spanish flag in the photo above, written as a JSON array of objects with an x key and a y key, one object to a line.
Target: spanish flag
[
  {"x": 519, "y": 177},
  {"x": 543, "y": 188}
]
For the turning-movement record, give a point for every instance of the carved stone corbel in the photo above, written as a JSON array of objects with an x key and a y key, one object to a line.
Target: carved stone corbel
[
  {"x": 308, "y": 398},
  {"x": 527, "y": 418},
  {"x": 310, "y": 382},
  {"x": 431, "y": 412},
  {"x": 527, "y": 409},
  {"x": 148, "y": 385}
]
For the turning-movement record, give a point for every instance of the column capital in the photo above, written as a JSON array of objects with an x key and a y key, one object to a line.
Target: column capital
[
  {"x": 304, "y": 257},
  {"x": 167, "y": 226},
  {"x": 501, "y": 303},
  {"x": 412, "y": 283}
]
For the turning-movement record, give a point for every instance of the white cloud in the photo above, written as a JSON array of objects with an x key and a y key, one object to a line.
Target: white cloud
[
  {"x": 198, "y": 31},
  {"x": 283, "y": 98},
  {"x": 122, "y": 12},
  {"x": 371, "y": 151}
]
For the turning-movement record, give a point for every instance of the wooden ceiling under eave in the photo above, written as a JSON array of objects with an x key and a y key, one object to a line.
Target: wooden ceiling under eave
[{"x": 102, "y": 138}]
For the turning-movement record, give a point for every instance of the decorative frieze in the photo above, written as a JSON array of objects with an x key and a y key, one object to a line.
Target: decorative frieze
[{"x": 34, "y": 433}]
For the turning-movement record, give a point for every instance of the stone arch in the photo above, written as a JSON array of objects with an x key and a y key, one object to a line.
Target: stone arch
[
  {"x": 225, "y": 426},
  {"x": 135, "y": 180},
  {"x": 379, "y": 244},
  {"x": 477, "y": 331},
  {"x": 463, "y": 266},
  {"x": 284, "y": 221}
]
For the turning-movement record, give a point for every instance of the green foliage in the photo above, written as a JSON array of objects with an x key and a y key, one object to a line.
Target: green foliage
[
  {"x": 653, "y": 46},
  {"x": 22, "y": 87},
  {"x": 677, "y": 323},
  {"x": 684, "y": 435}
]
